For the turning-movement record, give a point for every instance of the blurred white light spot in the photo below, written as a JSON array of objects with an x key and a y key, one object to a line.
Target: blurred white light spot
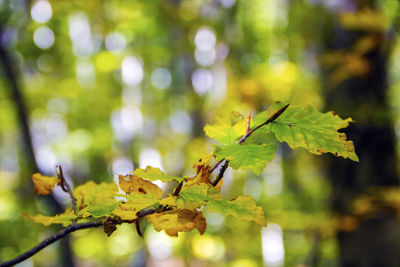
[
  {"x": 205, "y": 57},
  {"x": 126, "y": 122},
  {"x": 43, "y": 37},
  {"x": 227, "y": 3},
  {"x": 161, "y": 78},
  {"x": 85, "y": 73},
  {"x": 273, "y": 179},
  {"x": 57, "y": 105},
  {"x": 202, "y": 81},
  {"x": 122, "y": 166},
  {"x": 272, "y": 245},
  {"x": 222, "y": 52},
  {"x": 205, "y": 39},
  {"x": 150, "y": 157},
  {"x": 132, "y": 95},
  {"x": 45, "y": 63},
  {"x": 80, "y": 34},
  {"x": 181, "y": 122},
  {"x": 46, "y": 159},
  {"x": 160, "y": 245},
  {"x": 252, "y": 187},
  {"x": 41, "y": 11},
  {"x": 132, "y": 70},
  {"x": 115, "y": 42}
]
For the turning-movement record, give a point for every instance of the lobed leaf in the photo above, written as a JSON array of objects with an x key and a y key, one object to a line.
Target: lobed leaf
[
  {"x": 306, "y": 127},
  {"x": 246, "y": 156},
  {"x": 43, "y": 185},
  {"x": 242, "y": 208},
  {"x": 179, "y": 220},
  {"x": 154, "y": 174}
]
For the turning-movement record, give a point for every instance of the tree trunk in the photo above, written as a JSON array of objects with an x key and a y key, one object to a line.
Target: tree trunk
[{"x": 373, "y": 237}]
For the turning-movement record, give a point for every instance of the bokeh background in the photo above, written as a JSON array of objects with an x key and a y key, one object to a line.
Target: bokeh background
[{"x": 103, "y": 87}]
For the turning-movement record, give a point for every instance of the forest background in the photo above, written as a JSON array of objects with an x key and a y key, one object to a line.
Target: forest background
[{"x": 103, "y": 87}]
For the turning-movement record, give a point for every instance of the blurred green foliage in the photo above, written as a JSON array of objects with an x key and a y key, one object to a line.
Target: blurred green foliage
[{"x": 114, "y": 85}]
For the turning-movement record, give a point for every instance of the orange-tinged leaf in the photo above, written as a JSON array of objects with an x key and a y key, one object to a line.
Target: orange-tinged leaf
[
  {"x": 43, "y": 185},
  {"x": 181, "y": 220},
  {"x": 133, "y": 184},
  {"x": 65, "y": 218},
  {"x": 202, "y": 177}
]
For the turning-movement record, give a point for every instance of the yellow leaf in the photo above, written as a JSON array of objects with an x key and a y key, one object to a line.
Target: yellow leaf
[
  {"x": 181, "y": 220},
  {"x": 136, "y": 202},
  {"x": 203, "y": 161},
  {"x": 96, "y": 200},
  {"x": 43, "y": 185},
  {"x": 170, "y": 200},
  {"x": 65, "y": 218},
  {"x": 133, "y": 184}
]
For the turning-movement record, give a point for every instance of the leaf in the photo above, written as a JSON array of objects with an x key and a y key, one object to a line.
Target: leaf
[
  {"x": 133, "y": 184},
  {"x": 247, "y": 156},
  {"x": 154, "y": 174},
  {"x": 225, "y": 130},
  {"x": 96, "y": 200},
  {"x": 135, "y": 203},
  {"x": 65, "y": 218},
  {"x": 109, "y": 227},
  {"x": 197, "y": 195},
  {"x": 43, "y": 185},
  {"x": 306, "y": 127},
  {"x": 170, "y": 200},
  {"x": 202, "y": 177},
  {"x": 242, "y": 208},
  {"x": 180, "y": 220}
]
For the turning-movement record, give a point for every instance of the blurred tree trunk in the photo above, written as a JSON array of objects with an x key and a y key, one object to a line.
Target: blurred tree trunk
[
  {"x": 355, "y": 85},
  {"x": 28, "y": 160}
]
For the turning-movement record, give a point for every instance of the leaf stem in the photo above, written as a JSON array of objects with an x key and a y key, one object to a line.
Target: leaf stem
[{"x": 48, "y": 241}]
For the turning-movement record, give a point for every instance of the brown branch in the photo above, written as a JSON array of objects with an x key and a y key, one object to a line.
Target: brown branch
[
  {"x": 67, "y": 230},
  {"x": 243, "y": 139}
]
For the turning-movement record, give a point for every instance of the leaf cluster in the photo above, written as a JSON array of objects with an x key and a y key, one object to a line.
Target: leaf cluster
[{"x": 244, "y": 143}]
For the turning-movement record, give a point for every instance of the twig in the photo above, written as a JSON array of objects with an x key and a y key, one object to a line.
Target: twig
[
  {"x": 271, "y": 119},
  {"x": 244, "y": 138},
  {"x": 221, "y": 173},
  {"x": 66, "y": 187},
  {"x": 67, "y": 230},
  {"x": 216, "y": 165}
]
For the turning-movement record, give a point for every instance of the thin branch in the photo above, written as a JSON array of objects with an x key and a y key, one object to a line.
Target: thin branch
[
  {"x": 67, "y": 230},
  {"x": 221, "y": 173},
  {"x": 216, "y": 165},
  {"x": 66, "y": 187},
  {"x": 243, "y": 139},
  {"x": 271, "y": 119}
]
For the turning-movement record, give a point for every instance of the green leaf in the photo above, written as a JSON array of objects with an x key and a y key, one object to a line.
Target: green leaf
[
  {"x": 226, "y": 130},
  {"x": 306, "y": 127},
  {"x": 196, "y": 196},
  {"x": 154, "y": 174},
  {"x": 242, "y": 208},
  {"x": 247, "y": 156}
]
